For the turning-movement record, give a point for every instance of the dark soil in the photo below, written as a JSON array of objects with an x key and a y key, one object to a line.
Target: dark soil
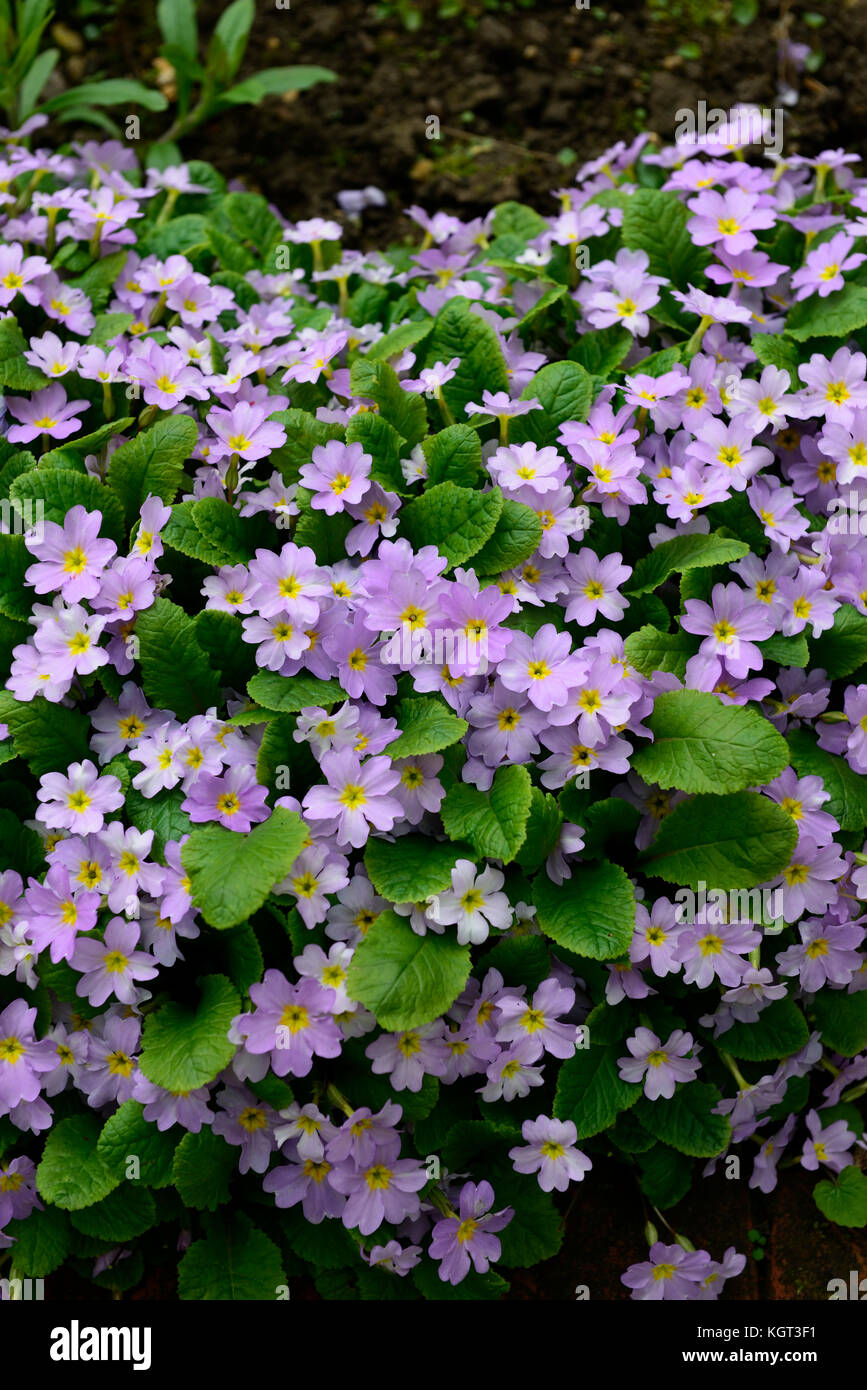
[{"x": 521, "y": 94}]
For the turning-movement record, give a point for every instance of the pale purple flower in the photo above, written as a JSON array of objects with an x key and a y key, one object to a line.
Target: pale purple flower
[
  {"x": 78, "y": 801},
  {"x": 112, "y": 967},
  {"x": 47, "y": 412},
  {"x": 469, "y": 1237},
  {"x": 550, "y": 1153},
  {"x": 659, "y": 1065}
]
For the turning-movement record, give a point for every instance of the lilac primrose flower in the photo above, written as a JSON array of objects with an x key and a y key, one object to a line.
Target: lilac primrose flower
[
  {"x": 715, "y": 950},
  {"x": 550, "y": 1153},
  {"x": 474, "y": 902},
  {"x": 308, "y": 1183},
  {"x": 291, "y": 1022},
  {"x": 164, "y": 1108},
  {"x": 764, "y": 1174},
  {"x": 409, "y": 1056},
  {"x": 671, "y": 1273},
  {"x": 56, "y": 912},
  {"x": 339, "y": 475},
  {"x": 833, "y": 1148},
  {"x": 827, "y": 954},
  {"x": 22, "y": 1058},
  {"x": 660, "y": 1066},
  {"x": 244, "y": 430},
  {"x": 112, "y": 966},
  {"x": 358, "y": 795},
  {"x": 469, "y": 1236},
  {"x": 71, "y": 557},
  {"x": 822, "y": 271},
  {"x": 235, "y": 799},
  {"x": 383, "y": 1191},
  {"x": 542, "y": 666},
  {"x": 731, "y": 625},
  {"x": 80, "y": 800},
  {"x": 47, "y": 412},
  {"x": 595, "y": 587},
  {"x": 808, "y": 884},
  {"x": 537, "y": 1021}
]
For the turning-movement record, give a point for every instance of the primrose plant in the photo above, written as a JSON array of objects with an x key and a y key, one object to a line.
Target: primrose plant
[
  {"x": 207, "y": 87},
  {"x": 434, "y": 735}
]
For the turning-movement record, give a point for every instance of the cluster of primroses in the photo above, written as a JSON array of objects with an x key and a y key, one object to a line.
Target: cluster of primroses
[{"x": 244, "y": 355}]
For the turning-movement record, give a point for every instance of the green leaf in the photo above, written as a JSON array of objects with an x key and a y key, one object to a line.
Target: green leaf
[
  {"x": 457, "y": 520},
  {"x": 592, "y": 913},
  {"x": 252, "y": 221},
  {"x": 602, "y": 349},
  {"x": 406, "y": 335},
  {"x": 543, "y": 830},
  {"x": 545, "y": 301},
  {"x": 177, "y": 22},
  {"x": 516, "y": 219},
  {"x": 650, "y": 650},
  {"x": 842, "y": 1020},
  {"x": 161, "y": 813},
  {"x": 788, "y": 651},
  {"x": 383, "y": 444},
  {"x": 682, "y": 554},
  {"x": 836, "y": 316},
  {"x": 848, "y": 804},
  {"x": 379, "y": 382},
  {"x": 458, "y": 332},
  {"x": 113, "y": 91},
  {"x": 224, "y": 528},
  {"x": 411, "y": 868},
  {"x": 517, "y": 535},
  {"x": 701, "y": 744},
  {"x": 181, "y": 533},
  {"x": 275, "y": 81},
  {"x": 221, "y": 636},
  {"x": 176, "y": 674},
  {"x": 234, "y": 1262},
  {"x": 842, "y": 648},
  {"x": 47, "y": 736},
  {"x": 126, "y": 1134},
  {"x": 16, "y": 372},
  {"x": 565, "y": 391},
  {"x": 495, "y": 823},
  {"x": 289, "y": 694},
  {"x": 590, "y": 1091},
  {"x": 685, "y": 1122},
  {"x": 72, "y": 1174},
  {"x": 98, "y": 279},
  {"x": 521, "y": 960},
  {"x": 61, "y": 489},
  {"x": 779, "y": 1031},
  {"x": 773, "y": 350},
  {"x": 483, "y": 1288},
  {"x": 20, "y": 847},
  {"x": 232, "y": 873},
  {"x": 733, "y": 841},
  {"x": 844, "y": 1201},
  {"x": 42, "y": 1242},
  {"x": 328, "y": 1244},
  {"x": 666, "y": 1176},
  {"x": 657, "y": 223},
  {"x": 16, "y": 596},
  {"x": 454, "y": 456},
  {"x": 123, "y": 1215},
  {"x": 426, "y": 725},
  {"x": 185, "y": 1048},
  {"x": 404, "y": 979},
  {"x": 152, "y": 462},
  {"x": 203, "y": 1166}
]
